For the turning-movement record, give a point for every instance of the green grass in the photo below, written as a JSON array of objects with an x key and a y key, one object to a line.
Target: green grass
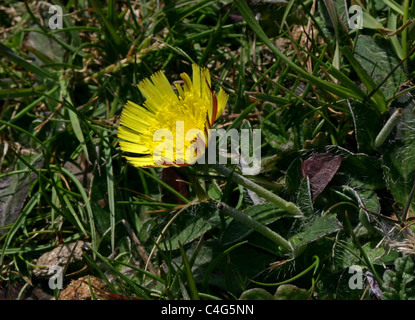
[{"x": 216, "y": 235}]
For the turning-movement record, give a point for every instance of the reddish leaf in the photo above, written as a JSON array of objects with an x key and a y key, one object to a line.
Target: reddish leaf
[
  {"x": 320, "y": 169},
  {"x": 176, "y": 180}
]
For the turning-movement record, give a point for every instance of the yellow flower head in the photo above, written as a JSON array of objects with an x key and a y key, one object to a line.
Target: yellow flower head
[{"x": 170, "y": 129}]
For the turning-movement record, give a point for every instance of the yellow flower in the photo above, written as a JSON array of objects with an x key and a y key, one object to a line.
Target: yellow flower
[{"x": 170, "y": 129}]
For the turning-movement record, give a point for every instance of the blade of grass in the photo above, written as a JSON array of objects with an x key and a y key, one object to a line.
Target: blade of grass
[
  {"x": 147, "y": 273},
  {"x": 328, "y": 86},
  {"x": 30, "y": 106},
  {"x": 76, "y": 125},
  {"x": 189, "y": 275},
  {"x": 392, "y": 25},
  {"x": 111, "y": 33},
  {"x": 395, "y": 6},
  {"x": 9, "y": 53},
  {"x": 87, "y": 204},
  {"x": 404, "y": 35},
  {"x": 286, "y": 13},
  {"x": 366, "y": 79},
  {"x": 235, "y": 123},
  {"x": 14, "y": 93},
  {"x": 364, "y": 254},
  {"x": 138, "y": 288},
  {"x": 110, "y": 187}
]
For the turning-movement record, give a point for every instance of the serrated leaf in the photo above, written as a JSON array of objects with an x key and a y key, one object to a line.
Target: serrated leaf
[
  {"x": 379, "y": 60},
  {"x": 399, "y": 155},
  {"x": 190, "y": 225},
  {"x": 321, "y": 227},
  {"x": 399, "y": 283}
]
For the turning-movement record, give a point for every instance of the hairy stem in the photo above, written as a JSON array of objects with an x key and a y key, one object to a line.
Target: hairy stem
[
  {"x": 255, "y": 225},
  {"x": 388, "y": 127},
  {"x": 290, "y": 207}
]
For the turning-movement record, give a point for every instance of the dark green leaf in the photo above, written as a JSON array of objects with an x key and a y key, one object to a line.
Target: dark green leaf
[
  {"x": 321, "y": 227},
  {"x": 367, "y": 124},
  {"x": 399, "y": 155},
  {"x": 377, "y": 57},
  {"x": 190, "y": 225}
]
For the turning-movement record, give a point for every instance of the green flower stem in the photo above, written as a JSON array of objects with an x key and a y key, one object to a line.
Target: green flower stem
[
  {"x": 255, "y": 225},
  {"x": 362, "y": 250},
  {"x": 313, "y": 266},
  {"x": 388, "y": 127},
  {"x": 290, "y": 207}
]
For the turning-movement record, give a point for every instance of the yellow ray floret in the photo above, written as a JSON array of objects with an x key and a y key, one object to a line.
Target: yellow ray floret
[{"x": 171, "y": 128}]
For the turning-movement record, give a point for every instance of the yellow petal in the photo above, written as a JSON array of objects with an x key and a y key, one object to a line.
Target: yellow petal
[
  {"x": 133, "y": 147},
  {"x": 187, "y": 86},
  {"x": 163, "y": 86},
  {"x": 179, "y": 90},
  {"x": 127, "y": 134},
  {"x": 141, "y": 161},
  {"x": 222, "y": 100},
  {"x": 154, "y": 100},
  {"x": 196, "y": 79},
  {"x": 206, "y": 75}
]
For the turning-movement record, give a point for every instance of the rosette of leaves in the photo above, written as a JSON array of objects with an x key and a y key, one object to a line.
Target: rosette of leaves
[{"x": 399, "y": 284}]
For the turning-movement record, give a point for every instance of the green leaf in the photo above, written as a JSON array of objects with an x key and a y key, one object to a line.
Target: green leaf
[
  {"x": 366, "y": 79},
  {"x": 290, "y": 292},
  {"x": 76, "y": 126},
  {"x": 379, "y": 60},
  {"x": 190, "y": 225},
  {"x": 189, "y": 274},
  {"x": 305, "y": 198},
  {"x": 367, "y": 169},
  {"x": 399, "y": 284},
  {"x": 321, "y": 227},
  {"x": 110, "y": 186},
  {"x": 395, "y": 6},
  {"x": 256, "y": 294},
  {"x": 399, "y": 152},
  {"x": 284, "y": 292},
  {"x": 370, "y": 22},
  {"x": 9, "y": 53},
  {"x": 367, "y": 124}
]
